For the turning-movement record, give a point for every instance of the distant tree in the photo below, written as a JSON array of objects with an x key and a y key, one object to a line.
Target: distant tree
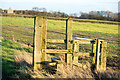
[
  {"x": 36, "y": 8},
  {"x": 1, "y": 10},
  {"x": 84, "y": 15},
  {"x": 44, "y": 9}
]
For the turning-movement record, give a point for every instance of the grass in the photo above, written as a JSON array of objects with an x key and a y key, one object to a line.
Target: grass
[
  {"x": 97, "y": 20},
  {"x": 90, "y": 28},
  {"x": 9, "y": 49},
  {"x": 21, "y": 29}
]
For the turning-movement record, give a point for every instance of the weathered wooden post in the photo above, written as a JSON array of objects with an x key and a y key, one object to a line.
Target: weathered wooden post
[
  {"x": 99, "y": 58},
  {"x": 68, "y": 57},
  {"x": 40, "y": 28},
  {"x": 103, "y": 55},
  {"x": 75, "y": 53},
  {"x": 44, "y": 38},
  {"x": 98, "y": 54},
  {"x": 94, "y": 54}
]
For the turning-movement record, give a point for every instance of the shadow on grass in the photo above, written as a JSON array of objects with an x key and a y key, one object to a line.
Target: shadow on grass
[{"x": 11, "y": 69}]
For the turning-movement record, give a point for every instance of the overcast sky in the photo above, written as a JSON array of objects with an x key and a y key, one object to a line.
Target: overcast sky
[{"x": 67, "y": 6}]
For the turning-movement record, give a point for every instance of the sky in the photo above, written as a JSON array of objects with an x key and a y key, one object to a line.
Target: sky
[{"x": 67, "y": 6}]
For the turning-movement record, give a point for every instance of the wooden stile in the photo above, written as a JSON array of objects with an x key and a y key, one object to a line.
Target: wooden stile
[{"x": 40, "y": 47}]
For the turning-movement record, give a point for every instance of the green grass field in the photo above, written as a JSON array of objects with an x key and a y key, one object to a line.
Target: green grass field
[
  {"x": 21, "y": 29},
  {"x": 25, "y": 26}
]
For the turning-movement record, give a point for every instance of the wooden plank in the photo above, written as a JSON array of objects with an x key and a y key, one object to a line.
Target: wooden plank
[
  {"x": 52, "y": 63},
  {"x": 54, "y": 51},
  {"x": 37, "y": 42},
  {"x": 55, "y": 41},
  {"x": 68, "y": 57},
  {"x": 82, "y": 41},
  {"x": 82, "y": 54},
  {"x": 98, "y": 54}
]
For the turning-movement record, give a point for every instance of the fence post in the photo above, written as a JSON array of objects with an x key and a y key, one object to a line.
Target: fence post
[
  {"x": 103, "y": 55},
  {"x": 68, "y": 57},
  {"x": 39, "y": 41},
  {"x": 97, "y": 54},
  {"x": 75, "y": 53},
  {"x": 94, "y": 54}
]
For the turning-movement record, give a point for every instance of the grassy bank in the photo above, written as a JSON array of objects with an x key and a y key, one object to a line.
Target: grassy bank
[{"x": 17, "y": 63}]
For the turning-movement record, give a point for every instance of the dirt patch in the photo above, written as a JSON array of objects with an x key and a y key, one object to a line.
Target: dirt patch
[{"x": 114, "y": 63}]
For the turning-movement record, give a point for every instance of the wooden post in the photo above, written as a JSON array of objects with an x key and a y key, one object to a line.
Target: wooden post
[
  {"x": 103, "y": 55},
  {"x": 97, "y": 54},
  {"x": 68, "y": 57},
  {"x": 39, "y": 38},
  {"x": 76, "y": 51},
  {"x": 44, "y": 38},
  {"x": 94, "y": 54}
]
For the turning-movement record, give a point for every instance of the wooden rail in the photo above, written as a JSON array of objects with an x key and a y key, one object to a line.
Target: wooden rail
[
  {"x": 54, "y": 51},
  {"x": 55, "y": 41},
  {"x": 82, "y": 41},
  {"x": 72, "y": 41}
]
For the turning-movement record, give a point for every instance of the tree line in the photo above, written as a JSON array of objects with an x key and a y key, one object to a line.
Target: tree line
[{"x": 98, "y": 15}]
